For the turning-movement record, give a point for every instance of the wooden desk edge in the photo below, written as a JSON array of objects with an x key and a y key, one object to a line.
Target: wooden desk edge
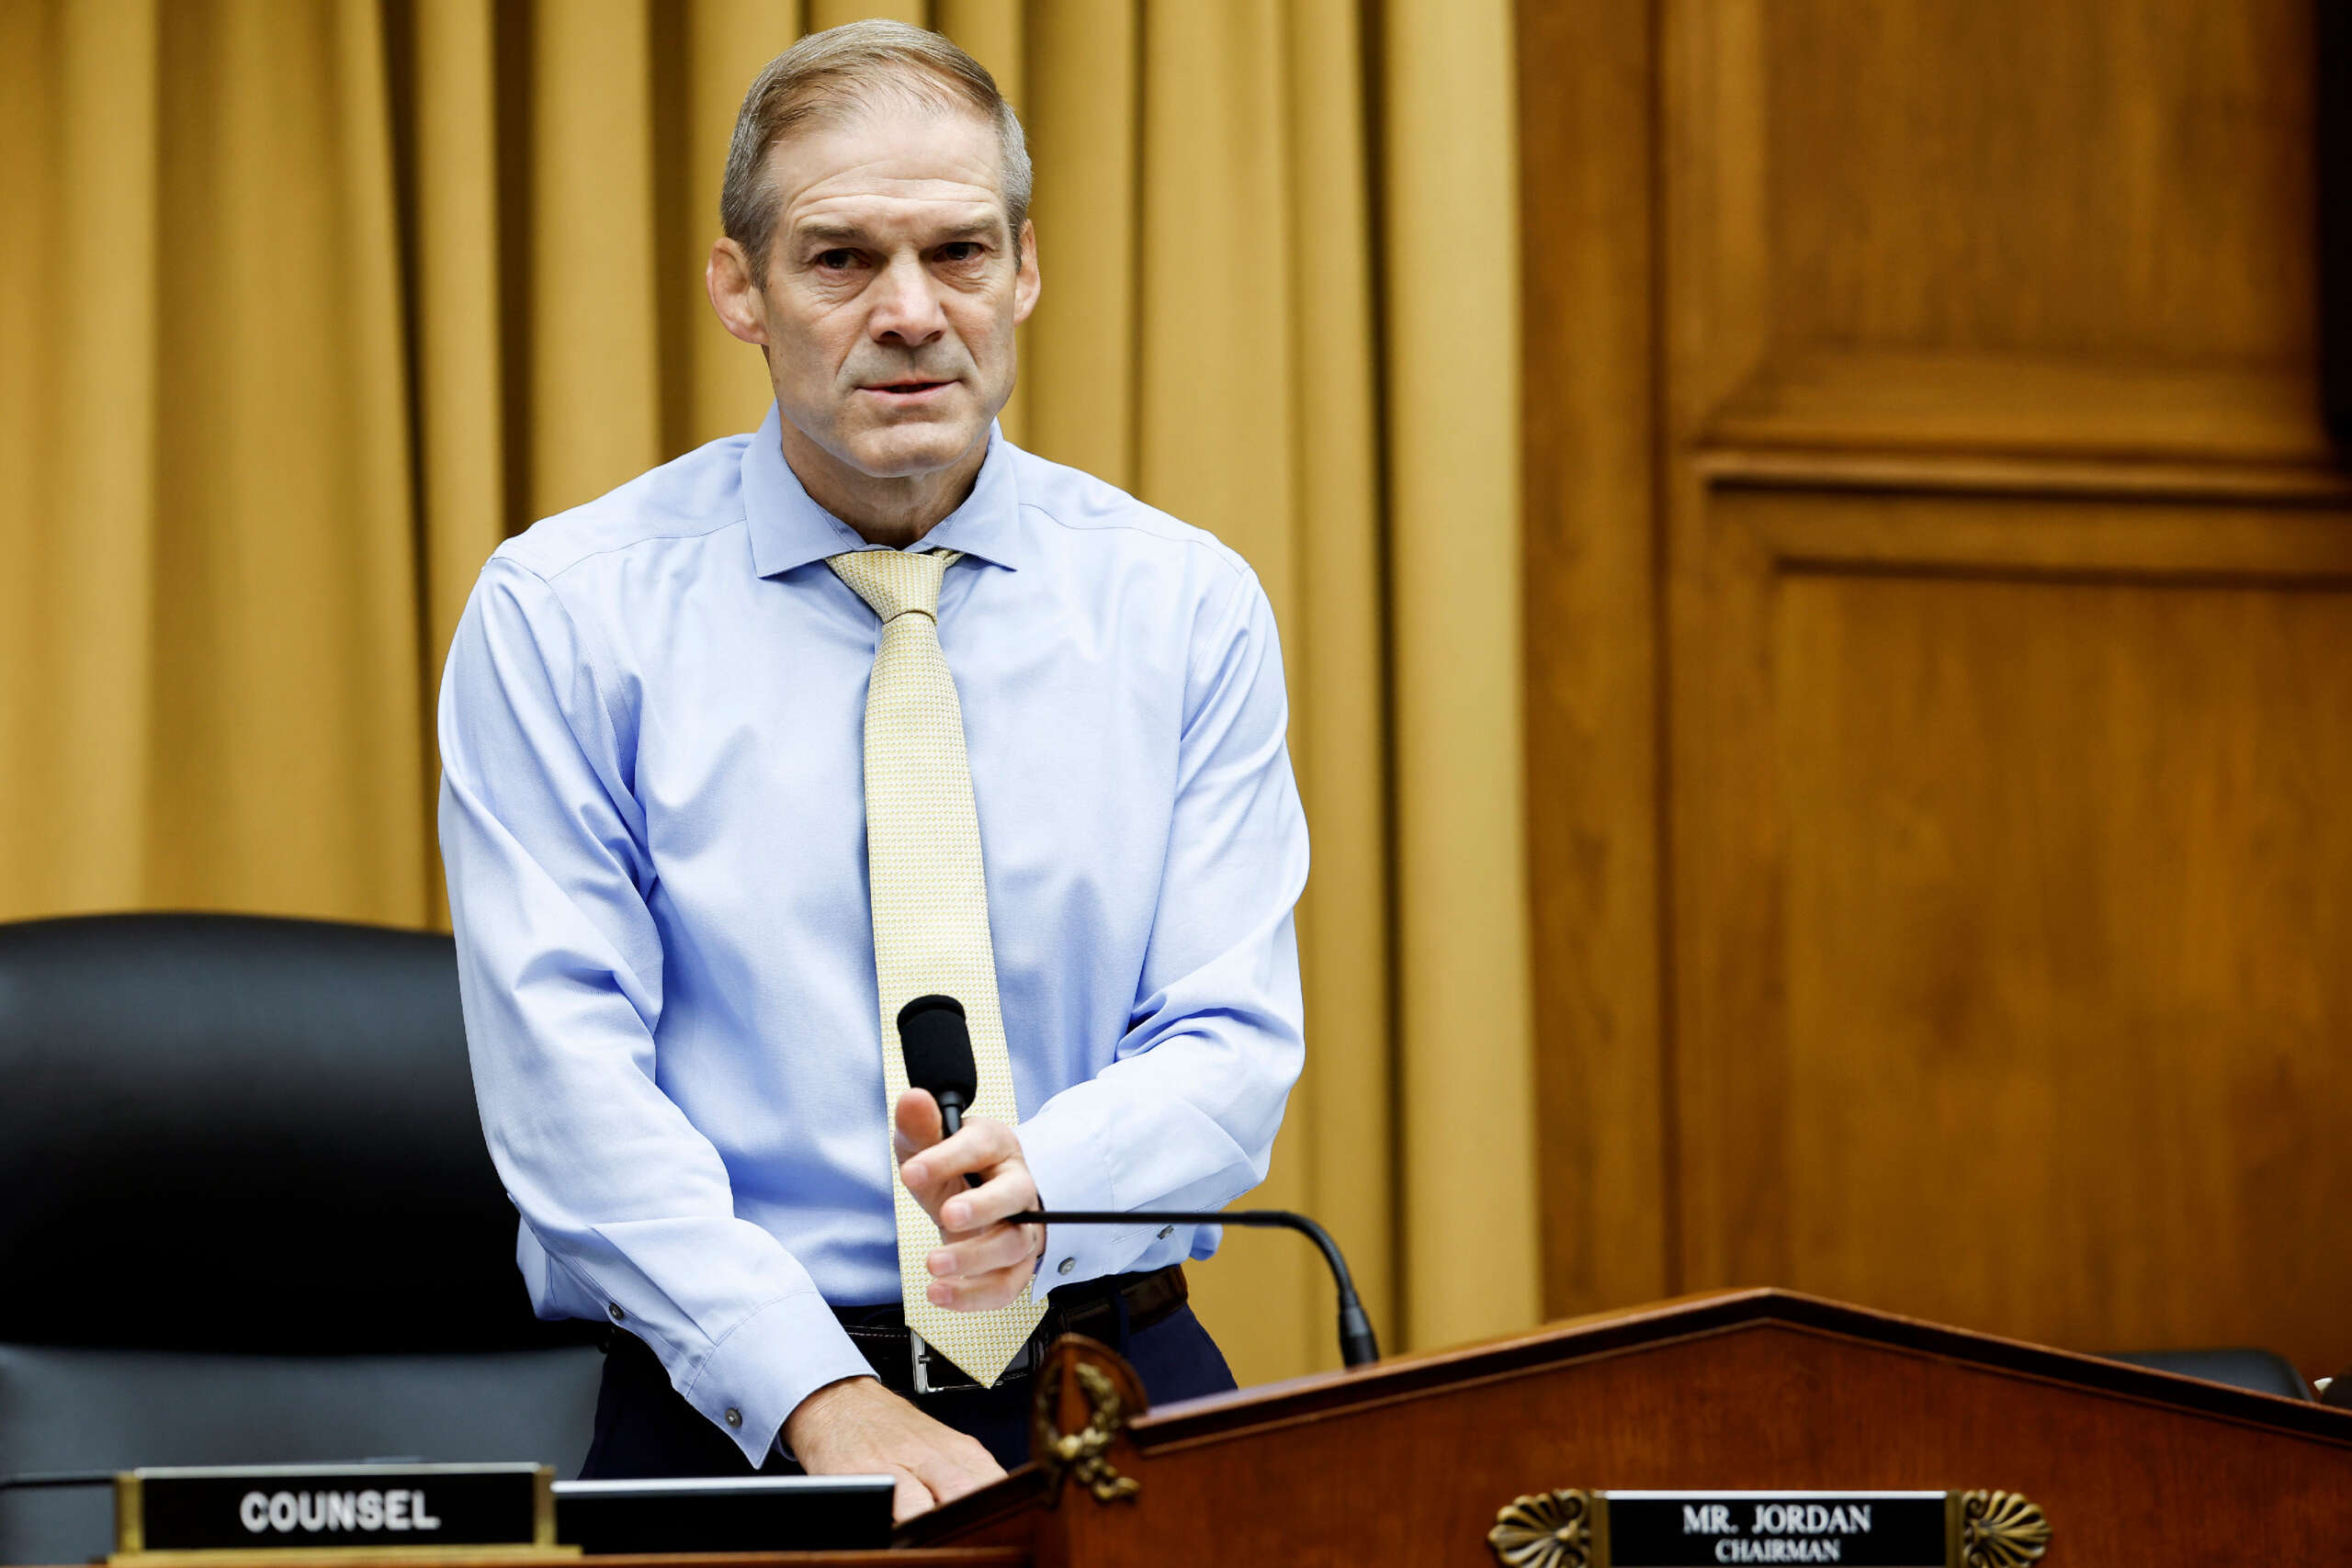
[{"x": 935, "y": 1556}]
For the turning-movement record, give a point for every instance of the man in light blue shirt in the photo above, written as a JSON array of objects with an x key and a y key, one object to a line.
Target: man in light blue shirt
[{"x": 652, "y": 815}]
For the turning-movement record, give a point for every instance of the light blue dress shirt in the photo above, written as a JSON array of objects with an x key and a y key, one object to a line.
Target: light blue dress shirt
[{"x": 652, "y": 814}]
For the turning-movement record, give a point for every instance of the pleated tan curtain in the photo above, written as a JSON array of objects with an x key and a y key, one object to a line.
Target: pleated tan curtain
[{"x": 303, "y": 307}]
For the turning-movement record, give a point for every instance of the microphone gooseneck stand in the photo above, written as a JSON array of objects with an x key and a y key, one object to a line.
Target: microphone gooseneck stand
[{"x": 1358, "y": 1346}]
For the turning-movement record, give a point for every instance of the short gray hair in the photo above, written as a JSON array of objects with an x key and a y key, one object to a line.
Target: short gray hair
[{"x": 825, "y": 76}]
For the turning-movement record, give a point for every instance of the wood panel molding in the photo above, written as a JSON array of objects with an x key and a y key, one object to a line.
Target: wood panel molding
[
  {"x": 2249, "y": 484},
  {"x": 2025, "y": 406},
  {"x": 2088, "y": 537},
  {"x": 1587, "y": 97}
]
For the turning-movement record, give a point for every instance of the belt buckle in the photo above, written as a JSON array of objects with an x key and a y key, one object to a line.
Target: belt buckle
[
  {"x": 1025, "y": 1359},
  {"x": 921, "y": 1354}
]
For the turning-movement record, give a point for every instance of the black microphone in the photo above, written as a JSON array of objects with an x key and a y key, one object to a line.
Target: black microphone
[{"x": 938, "y": 1047}]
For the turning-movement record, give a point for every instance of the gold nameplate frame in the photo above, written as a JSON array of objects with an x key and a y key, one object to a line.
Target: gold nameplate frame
[
  {"x": 219, "y": 1515},
  {"x": 1699, "y": 1530}
]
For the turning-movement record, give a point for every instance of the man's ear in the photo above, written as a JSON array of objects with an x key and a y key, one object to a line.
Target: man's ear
[
  {"x": 1027, "y": 283},
  {"x": 734, "y": 293}
]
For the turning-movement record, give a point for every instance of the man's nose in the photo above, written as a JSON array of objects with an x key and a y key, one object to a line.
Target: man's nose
[{"x": 906, "y": 305}]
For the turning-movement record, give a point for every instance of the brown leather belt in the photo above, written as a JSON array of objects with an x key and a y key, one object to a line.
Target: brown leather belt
[{"x": 1092, "y": 1309}]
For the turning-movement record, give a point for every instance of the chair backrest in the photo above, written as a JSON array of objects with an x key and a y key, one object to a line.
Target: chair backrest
[
  {"x": 249, "y": 1216},
  {"x": 2263, "y": 1372}
]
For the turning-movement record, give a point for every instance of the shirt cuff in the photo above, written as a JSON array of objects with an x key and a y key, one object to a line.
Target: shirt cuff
[
  {"x": 756, "y": 1377},
  {"x": 1074, "y": 1171}
]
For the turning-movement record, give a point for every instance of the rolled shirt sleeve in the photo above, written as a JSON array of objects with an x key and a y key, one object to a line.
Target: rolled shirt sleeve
[
  {"x": 1185, "y": 1114},
  {"x": 626, "y": 1208}
]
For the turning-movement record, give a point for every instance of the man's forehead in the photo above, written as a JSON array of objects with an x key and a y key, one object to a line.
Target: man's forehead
[
  {"x": 888, "y": 165},
  {"x": 930, "y": 210}
]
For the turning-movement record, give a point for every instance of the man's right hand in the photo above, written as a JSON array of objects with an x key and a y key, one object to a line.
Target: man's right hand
[{"x": 858, "y": 1428}]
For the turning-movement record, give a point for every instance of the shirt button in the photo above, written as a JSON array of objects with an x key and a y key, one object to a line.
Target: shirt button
[
  {"x": 734, "y": 1417},
  {"x": 1167, "y": 1231},
  {"x": 614, "y": 1308},
  {"x": 1067, "y": 1265}
]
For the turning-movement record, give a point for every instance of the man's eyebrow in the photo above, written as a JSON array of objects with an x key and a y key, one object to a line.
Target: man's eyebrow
[
  {"x": 823, "y": 229},
  {"x": 831, "y": 231}
]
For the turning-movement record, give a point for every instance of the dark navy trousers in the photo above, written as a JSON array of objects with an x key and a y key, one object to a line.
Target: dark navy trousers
[{"x": 644, "y": 1430}]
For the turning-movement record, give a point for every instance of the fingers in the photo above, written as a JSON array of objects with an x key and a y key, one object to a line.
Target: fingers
[
  {"x": 984, "y": 1262},
  {"x": 999, "y": 1247},
  {"x": 984, "y": 1144},
  {"x": 914, "y": 1123},
  {"x": 953, "y": 1465},
  {"x": 1010, "y": 1189},
  {"x": 856, "y": 1428},
  {"x": 976, "y": 1271},
  {"x": 908, "y": 1496},
  {"x": 979, "y": 1293}
]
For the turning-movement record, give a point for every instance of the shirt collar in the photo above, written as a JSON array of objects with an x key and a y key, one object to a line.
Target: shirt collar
[{"x": 790, "y": 530}]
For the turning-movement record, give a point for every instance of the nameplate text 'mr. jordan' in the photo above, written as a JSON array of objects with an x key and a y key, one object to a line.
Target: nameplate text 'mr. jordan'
[{"x": 1576, "y": 1529}]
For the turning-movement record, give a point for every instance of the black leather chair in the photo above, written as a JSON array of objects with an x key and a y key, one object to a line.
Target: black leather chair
[
  {"x": 246, "y": 1216},
  {"x": 2263, "y": 1372}
]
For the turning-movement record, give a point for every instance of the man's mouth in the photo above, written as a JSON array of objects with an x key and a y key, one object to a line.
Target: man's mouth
[{"x": 910, "y": 388}]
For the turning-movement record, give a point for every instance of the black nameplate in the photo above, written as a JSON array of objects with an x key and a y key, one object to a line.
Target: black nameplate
[
  {"x": 1700, "y": 1529},
  {"x": 374, "y": 1508},
  {"x": 754, "y": 1513}
]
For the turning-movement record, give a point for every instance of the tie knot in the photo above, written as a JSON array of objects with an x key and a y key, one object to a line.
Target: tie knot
[{"x": 895, "y": 581}]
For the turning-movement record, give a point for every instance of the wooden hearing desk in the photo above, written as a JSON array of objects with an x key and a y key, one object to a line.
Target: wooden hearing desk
[{"x": 1411, "y": 1461}]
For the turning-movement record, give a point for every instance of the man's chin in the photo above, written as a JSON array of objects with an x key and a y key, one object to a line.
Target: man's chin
[{"x": 903, "y": 449}]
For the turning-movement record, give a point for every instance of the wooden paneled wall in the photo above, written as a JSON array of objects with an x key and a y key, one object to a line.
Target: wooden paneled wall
[{"x": 1940, "y": 664}]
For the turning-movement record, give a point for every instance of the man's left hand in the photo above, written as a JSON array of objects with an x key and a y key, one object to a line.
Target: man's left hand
[{"x": 982, "y": 1262}]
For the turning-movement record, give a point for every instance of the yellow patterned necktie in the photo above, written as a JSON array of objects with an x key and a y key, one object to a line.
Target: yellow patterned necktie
[{"x": 931, "y": 909}]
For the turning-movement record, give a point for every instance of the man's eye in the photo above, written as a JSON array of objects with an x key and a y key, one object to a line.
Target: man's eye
[
  {"x": 836, "y": 261},
  {"x": 960, "y": 251}
]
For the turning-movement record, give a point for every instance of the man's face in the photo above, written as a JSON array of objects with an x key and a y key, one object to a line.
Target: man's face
[{"x": 893, "y": 286}]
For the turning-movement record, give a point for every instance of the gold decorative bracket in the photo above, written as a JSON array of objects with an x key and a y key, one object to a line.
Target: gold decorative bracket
[
  {"x": 1086, "y": 1394},
  {"x": 1545, "y": 1530},
  {"x": 1996, "y": 1529}
]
